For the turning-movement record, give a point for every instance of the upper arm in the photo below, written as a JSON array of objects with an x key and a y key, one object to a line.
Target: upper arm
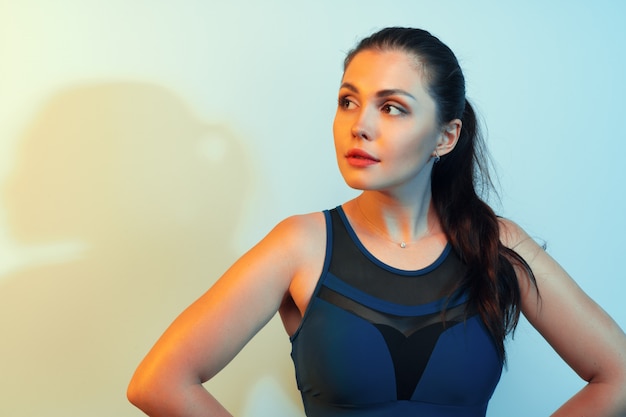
[
  {"x": 579, "y": 330},
  {"x": 212, "y": 330}
]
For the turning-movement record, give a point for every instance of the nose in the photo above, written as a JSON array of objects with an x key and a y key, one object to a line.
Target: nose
[
  {"x": 363, "y": 126},
  {"x": 359, "y": 132}
]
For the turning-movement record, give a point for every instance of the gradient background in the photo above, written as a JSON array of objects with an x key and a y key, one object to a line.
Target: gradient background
[{"x": 144, "y": 145}]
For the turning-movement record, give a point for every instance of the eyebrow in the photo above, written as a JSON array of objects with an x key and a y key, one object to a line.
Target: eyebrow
[{"x": 381, "y": 93}]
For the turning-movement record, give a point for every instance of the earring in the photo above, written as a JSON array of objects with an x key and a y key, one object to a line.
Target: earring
[{"x": 436, "y": 156}]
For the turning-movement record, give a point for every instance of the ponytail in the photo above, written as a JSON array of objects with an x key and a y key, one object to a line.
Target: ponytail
[{"x": 473, "y": 230}]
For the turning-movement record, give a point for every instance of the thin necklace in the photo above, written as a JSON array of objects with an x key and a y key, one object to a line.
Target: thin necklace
[{"x": 402, "y": 243}]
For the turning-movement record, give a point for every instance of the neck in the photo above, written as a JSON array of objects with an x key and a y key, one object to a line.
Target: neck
[{"x": 403, "y": 221}]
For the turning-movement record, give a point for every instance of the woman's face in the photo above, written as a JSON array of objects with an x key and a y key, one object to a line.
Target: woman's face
[{"x": 385, "y": 128}]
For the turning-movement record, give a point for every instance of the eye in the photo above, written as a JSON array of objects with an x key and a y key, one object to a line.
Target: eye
[
  {"x": 346, "y": 103},
  {"x": 393, "y": 110}
]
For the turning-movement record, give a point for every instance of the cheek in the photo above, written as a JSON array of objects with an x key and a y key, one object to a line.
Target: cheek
[
  {"x": 417, "y": 148},
  {"x": 339, "y": 121},
  {"x": 339, "y": 129}
]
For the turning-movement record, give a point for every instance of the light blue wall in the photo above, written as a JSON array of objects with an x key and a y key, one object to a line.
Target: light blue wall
[{"x": 223, "y": 116}]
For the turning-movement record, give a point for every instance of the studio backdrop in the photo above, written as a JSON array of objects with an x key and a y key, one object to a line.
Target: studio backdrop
[{"x": 145, "y": 145}]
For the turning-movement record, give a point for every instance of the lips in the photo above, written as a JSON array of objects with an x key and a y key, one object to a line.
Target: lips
[{"x": 360, "y": 158}]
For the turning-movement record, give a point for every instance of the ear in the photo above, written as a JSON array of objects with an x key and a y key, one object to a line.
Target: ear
[{"x": 449, "y": 137}]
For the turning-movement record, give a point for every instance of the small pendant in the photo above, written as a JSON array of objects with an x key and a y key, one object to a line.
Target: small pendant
[{"x": 402, "y": 245}]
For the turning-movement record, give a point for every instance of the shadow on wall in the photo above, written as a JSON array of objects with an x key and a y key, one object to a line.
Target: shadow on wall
[{"x": 154, "y": 194}]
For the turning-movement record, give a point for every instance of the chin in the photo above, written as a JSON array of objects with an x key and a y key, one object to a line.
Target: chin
[
  {"x": 355, "y": 183},
  {"x": 362, "y": 185},
  {"x": 366, "y": 181}
]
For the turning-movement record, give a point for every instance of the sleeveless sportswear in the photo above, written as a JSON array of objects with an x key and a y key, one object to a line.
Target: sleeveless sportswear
[{"x": 376, "y": 341}]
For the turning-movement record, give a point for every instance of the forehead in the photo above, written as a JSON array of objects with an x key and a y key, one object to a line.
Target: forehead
[{"x": 389, "y": 69}]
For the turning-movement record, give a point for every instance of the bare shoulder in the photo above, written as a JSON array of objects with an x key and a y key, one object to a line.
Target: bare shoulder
[
  {"x": 511, "y": 234},
  {"x": 304, "y": 240},
  {"x": 514, "y": 237},
  {"x": 297, "y": 241},
  {"x": 299, "y": 224},
  {"x": 300, "y": 231}
]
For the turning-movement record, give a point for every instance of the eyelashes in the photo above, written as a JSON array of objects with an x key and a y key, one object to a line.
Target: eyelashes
[
  {"x": 345, "y": 103},
  {"x": 389, "y": 108},
  {"x": 393, "y": 110}
]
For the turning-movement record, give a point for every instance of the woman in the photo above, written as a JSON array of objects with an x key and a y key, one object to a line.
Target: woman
[{"x": 397, "y": 302}]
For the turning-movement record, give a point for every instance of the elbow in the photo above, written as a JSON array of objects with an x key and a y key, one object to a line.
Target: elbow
[
  {"x": 139, "y": 393},
  {"x": 134, "y": 394},
  {"x": 613, "y": 385},
  {"x": 156, "y": 396},
  {"x": 144, "y": 393}
]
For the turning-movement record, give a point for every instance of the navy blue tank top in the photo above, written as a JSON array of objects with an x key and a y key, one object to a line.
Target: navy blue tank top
[{"x": 377, "y": 341}]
